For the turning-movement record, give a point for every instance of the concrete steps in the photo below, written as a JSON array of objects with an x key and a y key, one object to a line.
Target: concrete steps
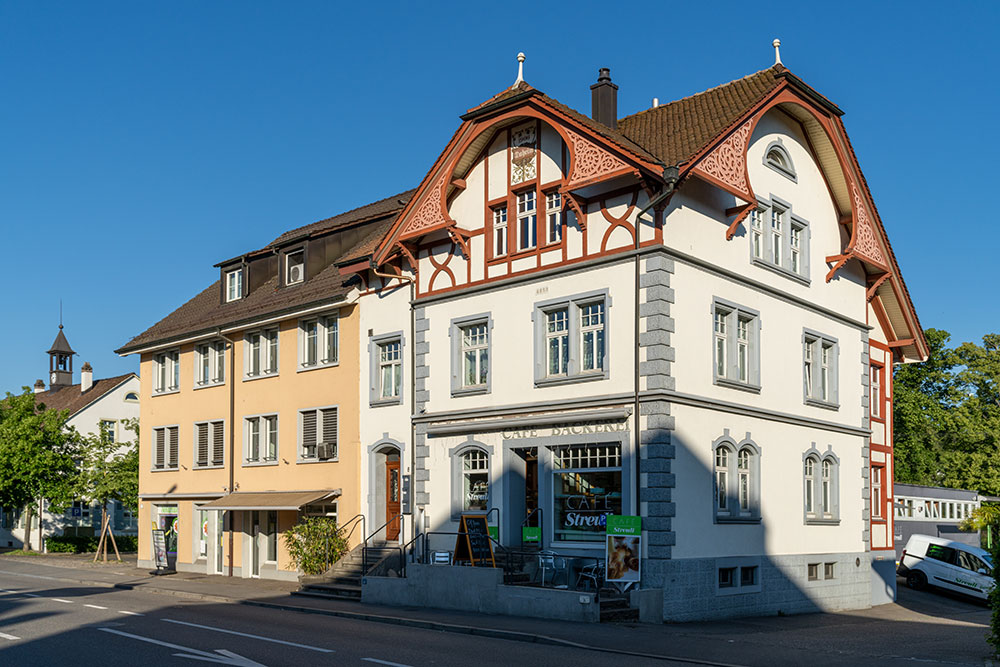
[
  {"x": 343, "y": 580},
  {"x": 615, "y": 609}
]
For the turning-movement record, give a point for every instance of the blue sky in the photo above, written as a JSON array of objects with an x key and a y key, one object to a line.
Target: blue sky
[{"x": 140, "y": 143}]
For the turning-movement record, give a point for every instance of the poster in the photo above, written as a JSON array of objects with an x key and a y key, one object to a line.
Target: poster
[
  {"x": 160, "y": 550},
  {"x": 623, "y": 536}
]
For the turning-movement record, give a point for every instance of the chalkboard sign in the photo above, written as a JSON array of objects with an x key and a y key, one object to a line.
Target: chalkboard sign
[
  {"x": 475, "y": 545},
  {"x": 160, "y": 549}
]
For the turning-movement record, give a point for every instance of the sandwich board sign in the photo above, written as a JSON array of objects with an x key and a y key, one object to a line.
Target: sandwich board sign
[
  {"x": 474, "y": 543},
  {"x": 623, "y": 537},
  {"x": 160, "y": 550}
]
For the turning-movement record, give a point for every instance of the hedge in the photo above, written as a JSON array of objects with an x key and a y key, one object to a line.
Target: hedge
[{"x": 74, "y": 544}]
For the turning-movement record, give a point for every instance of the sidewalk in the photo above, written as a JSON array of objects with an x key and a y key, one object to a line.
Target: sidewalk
[{"x": 923, "y": 627}]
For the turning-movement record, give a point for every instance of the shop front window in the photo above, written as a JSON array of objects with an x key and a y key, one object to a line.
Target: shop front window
[
  {"x": 587, "y": 487},
  {"x": 475, "y": 480}
]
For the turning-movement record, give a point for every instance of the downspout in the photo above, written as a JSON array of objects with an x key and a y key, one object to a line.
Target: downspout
[
  {"x": 232, "y": 430},
  {"x": 670, "y": 178}
]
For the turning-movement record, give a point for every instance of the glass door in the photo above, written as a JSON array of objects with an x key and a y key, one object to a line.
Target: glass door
[{"x": 254, "y": 543}]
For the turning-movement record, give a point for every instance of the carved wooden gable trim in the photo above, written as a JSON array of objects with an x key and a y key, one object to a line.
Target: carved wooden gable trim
[
  {"x": 727, "y": 164},
  {"x": 590, "y": 162},
  {"x": 864, "y": 243},
  {"x": 430, "y": 212}
]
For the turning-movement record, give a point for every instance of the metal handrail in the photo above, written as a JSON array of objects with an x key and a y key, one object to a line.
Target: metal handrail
[
  {"x": 541, "y": 527},
  {"x": 364, "y": 545},
  {"x": 355, "y": 521},
  {"x": 497, "y": 510},
  {"x": 409, "y": 545}
]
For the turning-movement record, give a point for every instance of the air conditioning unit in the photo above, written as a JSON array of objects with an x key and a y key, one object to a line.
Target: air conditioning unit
[
  {"x": 326, "y": 450},
  {"x": 295, "y": 273}
]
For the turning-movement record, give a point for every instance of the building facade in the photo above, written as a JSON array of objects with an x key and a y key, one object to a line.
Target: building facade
[
  {"x": 93, "y": 406},
  {"x": 935, "y": 511}
]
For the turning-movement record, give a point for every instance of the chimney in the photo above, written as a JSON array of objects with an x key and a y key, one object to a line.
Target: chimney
[
  {"x": 604, "y": 100},
  {"x": 39, "y": 386},
  {"x": 86, "y": 376}
]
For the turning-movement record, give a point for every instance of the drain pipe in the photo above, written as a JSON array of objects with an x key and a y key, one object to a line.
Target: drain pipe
[
  {"x": 232, "y": 430},
  {"x": 670, "y": 178}
]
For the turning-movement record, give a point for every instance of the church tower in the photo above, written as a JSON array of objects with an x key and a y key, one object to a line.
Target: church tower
[{"x": 60, "y": 362}]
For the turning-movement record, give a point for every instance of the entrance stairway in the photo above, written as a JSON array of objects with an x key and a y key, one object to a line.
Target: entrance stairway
[
  {"x": 615, "y": 608},
  {"x": 343, "y": 580}
]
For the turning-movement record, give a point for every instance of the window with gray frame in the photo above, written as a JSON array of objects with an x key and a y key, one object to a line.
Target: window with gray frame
[
  {"x": 820, "y": 379},
  {"x": 737, "y": 575},
  {"x": 210, "y": 444},
  {"x": 210, "y": 363},
  {"x": 385, "y": 354},
  {"x": 318, "y": 434},
  {"x": 470, "y": 354},
  {"x": 779, "y": 239},
  {"x": 586, "y": 487},
  {"x": 260, "y": 358},
  {"x": 821, "y": 487},
  {"x": 260, "y": 434},
  {"x": 167, "y": 372},
  {"x": 736, "y": 345},
  {"x": 470, "y": 479},
  {"x": 777, "y": 158},
  {"x": 165, "y": 447},
  {"x": 571, "y": 339},
  {"x": 736, "y": 496},
  {"x": 319, "y": 342}
]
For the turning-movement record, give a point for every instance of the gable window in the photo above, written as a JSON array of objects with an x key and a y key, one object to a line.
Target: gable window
[
  {"x": 821, "y": 487},
  {"x": 737, "y": 481},
  {"x": 875, "y": 384},
  {"x": 318, "y": 434},
  {"x": 210, "y": 363},
  {"x": 736, "y": 345},
  {"x": 386, "y": 369},
  {"x": 777, "y": 158},
  {"x": 261, "y": 353},
  {"x": 319, "y": 342},
  {"x": 132, "y": 397},
  {"x": 166, "y": 372},
  {"x": 260, "y": 436},
  {"x": 500, "y": 231},
  {"x": 571, "y": 339},
  {"x": 784, "y": 244},
  {"x": 210, "y": 444},
  {"x": 526, "y": 220},
  {"x": 295, "y": 269},
  {"x": 165, "y": 444},
  {"x": 554, "y": 216},
  {"x": 234, "y": 285},
  {"x": 819, "y": 369}
]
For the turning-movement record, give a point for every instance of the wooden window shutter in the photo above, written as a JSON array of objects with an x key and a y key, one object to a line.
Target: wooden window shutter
[
  {"x": 330, "y": 425},
  {"x": 173, "y": 442},
  {"x": 218, "y": 443},
  {"x": 202, "y": 458},
  {"x": 159, "y": 447},
  {"x": 309, "y": 433}
]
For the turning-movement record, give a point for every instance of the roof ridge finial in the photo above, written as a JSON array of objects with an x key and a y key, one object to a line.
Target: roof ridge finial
[
  {"x": 520, "y": 69},
  {"x": 60, "y": 314},
  {"x": 777, "y": 51}
]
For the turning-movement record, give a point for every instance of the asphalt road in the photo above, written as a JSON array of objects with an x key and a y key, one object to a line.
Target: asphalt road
[{"x": 44, "y": 622}]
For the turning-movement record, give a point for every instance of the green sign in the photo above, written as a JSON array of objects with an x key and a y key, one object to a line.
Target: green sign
[
  {"x": 531, "y": 534},
  {"x": 493, "y": 532},
  {"x": 623, "y": 525}
]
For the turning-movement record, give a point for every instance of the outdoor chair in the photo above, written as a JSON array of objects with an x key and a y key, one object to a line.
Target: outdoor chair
[
  {"x": 592, "y": 574},
  {"x": 549, "y": 561}
]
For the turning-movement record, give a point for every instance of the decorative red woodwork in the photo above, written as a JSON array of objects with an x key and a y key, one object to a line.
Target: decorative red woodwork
[
  {"x": 875, "y": 284},
  {"x": 591, "y": 163},
  {"x": 460, "y": 240}
]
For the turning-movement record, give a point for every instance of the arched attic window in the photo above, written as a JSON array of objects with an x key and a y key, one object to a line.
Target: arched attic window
[
  {"x": 776, "y": 157},
  {"x": 132, "y": 397}
]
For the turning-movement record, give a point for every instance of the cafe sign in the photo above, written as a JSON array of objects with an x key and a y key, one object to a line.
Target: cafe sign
[
  {"x": 623, "y": 535},
  {"x": 572, "y": 428}
]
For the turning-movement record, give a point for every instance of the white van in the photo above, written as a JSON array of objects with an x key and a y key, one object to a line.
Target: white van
[{"x": 951, "y": 565}]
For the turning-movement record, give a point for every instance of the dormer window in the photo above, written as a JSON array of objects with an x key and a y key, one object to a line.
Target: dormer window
[
  {"x": 776, "y": 157},
  {"x": 295, "y": 268},
  {"x": 234, "y": 285}
]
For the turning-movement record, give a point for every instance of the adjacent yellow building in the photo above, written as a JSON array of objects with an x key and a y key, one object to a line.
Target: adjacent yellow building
[{"x": 250, "y": 402}]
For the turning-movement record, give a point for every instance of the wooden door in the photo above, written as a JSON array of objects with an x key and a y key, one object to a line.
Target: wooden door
[{"x": 392, "y": 499}]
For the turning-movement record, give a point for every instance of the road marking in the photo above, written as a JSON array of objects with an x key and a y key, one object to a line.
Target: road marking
[
  {"x": 61, "y": 600},
  {"x": 94, "y": 606},
  {"x": 31, "y": 595},
  {"x": 220, "y": 656},
  {"x": 244, "y": 634},
  {"x": 4, "y": 635},
  {"x": 385, "y": 662},
  {"x": 130, "y": 613}
]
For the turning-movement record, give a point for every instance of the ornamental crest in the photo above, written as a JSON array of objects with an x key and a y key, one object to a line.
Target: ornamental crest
[
  {"x": 522, "y": 155},
  {"x": 727, "y": 163}
]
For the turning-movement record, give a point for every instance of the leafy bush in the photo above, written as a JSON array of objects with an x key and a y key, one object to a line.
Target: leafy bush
[
  {"x": 78, "y": 544},
  {"x": 315, "y": 544}
]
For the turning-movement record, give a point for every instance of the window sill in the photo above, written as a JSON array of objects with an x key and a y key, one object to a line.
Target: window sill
[
  {"x": 335, "y": 459},
  {"x": 175, "y": 469},
  {"x": 470, "y": 391},
  {"x": 822, "y": 522},
  {"x": 780, "y": 270},
  {"x": 209, "y": 385},
  {"x": 211, "y": 467},
  {"x": 258, "y": 464},
  {"x": 747, "y": 520},
  {"x": 787, "y": 173},
  {"x": 570, "y": 379},
  {"x": 262, "y": 376},
  {"x": 316, "y": 367},
  {"x": 736, "y": 384},
  {"x": 166, "y": 392},
  {"x": 382, "y": 402},
  {"x": 826, "y": 405}
]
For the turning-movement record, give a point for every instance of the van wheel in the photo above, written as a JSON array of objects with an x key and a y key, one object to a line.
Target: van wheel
[{"x": 916, "y": 580}]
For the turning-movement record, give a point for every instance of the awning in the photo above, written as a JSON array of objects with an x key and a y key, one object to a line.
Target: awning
[{"x": 269, "y": 500}]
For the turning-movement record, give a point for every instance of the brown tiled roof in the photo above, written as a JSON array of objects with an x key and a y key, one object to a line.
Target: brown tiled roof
[
  {"x": 362, "y": 213},
  {"x": 675, "y": 132},
  {"x": 370, "y": 243},
  {"x": 72, "y": 399}
]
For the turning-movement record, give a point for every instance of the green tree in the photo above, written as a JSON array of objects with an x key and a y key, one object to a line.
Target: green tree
[
  {"x": 109, "y": 471},
  {"x": 987, "y": 518},
  {"x": 314, "y": 544},
  {"x": 37, "y": 454}
]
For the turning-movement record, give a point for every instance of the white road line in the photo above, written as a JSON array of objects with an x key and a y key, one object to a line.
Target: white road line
[
  {"x": 130, "y": 613},
  {"x": 4, "y": 635},
  {"x": 94, "y": 606},
  {"x": 31, "y": 595},
  {"x": 385, "y": 662},
  {"x": 220, "y": 656},
  {"x": 244, "y": 634},
  {"x": 61, "y": 600}
]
